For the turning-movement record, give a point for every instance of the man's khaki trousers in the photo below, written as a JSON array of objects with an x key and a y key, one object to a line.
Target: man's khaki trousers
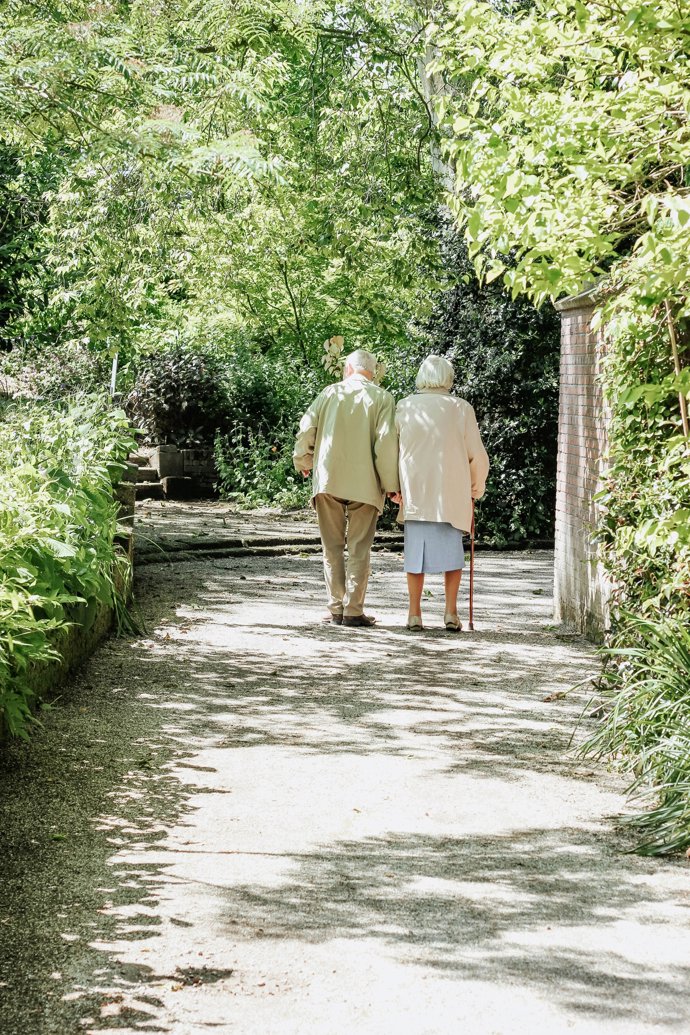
[{"x": 341, "y": 522}]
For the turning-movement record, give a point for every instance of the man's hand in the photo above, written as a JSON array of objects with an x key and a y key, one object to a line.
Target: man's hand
[{"x": 305, "y": 474}]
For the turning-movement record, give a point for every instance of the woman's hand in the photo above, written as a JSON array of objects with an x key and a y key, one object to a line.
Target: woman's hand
[{"x": 396, "y": 497}]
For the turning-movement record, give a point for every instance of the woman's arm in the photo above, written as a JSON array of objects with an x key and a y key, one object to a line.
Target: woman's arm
[{"x": 476, "y": 454}]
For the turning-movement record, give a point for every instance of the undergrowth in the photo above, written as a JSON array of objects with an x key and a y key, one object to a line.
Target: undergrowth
[
  {"x": 644, "y": 538},
  {"x": 58, "y": 521}
]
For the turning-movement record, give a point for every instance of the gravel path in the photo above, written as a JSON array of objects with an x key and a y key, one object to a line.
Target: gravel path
[{"x": 246, "y": 822}]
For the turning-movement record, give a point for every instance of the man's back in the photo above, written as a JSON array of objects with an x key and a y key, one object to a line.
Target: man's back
[{"x": 348, "y": 438}]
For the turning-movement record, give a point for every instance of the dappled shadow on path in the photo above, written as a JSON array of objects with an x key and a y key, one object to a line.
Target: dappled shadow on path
[
  {"x": 521, "y": 907},
  {"x": 293, "y": 682},
  {"x": 206, "y": 832}
]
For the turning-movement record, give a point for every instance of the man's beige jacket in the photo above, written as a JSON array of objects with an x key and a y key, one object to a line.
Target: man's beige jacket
[
  {"x": 443, "y": 463},
  {"x": 347, "y": 438}
]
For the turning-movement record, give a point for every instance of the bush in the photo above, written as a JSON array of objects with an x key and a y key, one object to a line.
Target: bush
[
  {"x": 257, "y": 470},
  {"x": 180, "y": 394},
  {"x": 254, "y": 457},
  {"x": 194, "y": 389},
  {"x": 646, "y": 692},
  {"x": 644, "y": 537},
  {"x": 57, "y": 529},
  {"x": 58, "y": 371}
]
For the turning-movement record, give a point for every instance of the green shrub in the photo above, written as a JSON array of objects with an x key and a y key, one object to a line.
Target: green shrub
[
  {"x": 506, "y": 358},
  {"x": 195, "y": 388},
  {"x": 644, "y": 539},
  {"x": 255, "y": 469},
  {"x": 180, "y": 394},
  {"x": 57, "y": 371},
  {"x": 58, "y": 521},
  {"x": 646, "y": 691}
]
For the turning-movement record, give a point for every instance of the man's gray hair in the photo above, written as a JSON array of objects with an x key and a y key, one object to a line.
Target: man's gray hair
[
  {"x": 435, "y": 372},
  {"x": 361, "y": 360}
]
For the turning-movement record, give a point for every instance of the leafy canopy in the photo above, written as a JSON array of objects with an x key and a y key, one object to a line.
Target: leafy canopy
[
  {"x": 262, "y": 166},
  {"x": 567, "y": 124}
]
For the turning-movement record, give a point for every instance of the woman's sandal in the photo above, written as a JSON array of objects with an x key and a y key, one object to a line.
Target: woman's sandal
[
  {"x": 414, "y": 623},
  {"x": 452, "y": 623}
]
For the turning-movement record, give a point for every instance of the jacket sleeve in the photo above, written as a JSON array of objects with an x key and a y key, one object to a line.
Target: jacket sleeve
[
  {"x": 386, "y": 446},
  {"x": 476, "y": 454},
  {"x": 303, "y": 453}
]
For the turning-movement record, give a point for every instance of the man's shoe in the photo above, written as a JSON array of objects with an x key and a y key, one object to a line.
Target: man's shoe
[
  {"x": 360, "y": 621},
  {"x": 334, "y": 619}
]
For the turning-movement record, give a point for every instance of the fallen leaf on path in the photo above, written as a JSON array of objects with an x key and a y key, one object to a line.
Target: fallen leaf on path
[{"x": 557, "y": 695}]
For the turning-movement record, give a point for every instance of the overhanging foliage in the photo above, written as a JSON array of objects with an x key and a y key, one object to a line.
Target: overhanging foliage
[{"x": 568, "y": 127}]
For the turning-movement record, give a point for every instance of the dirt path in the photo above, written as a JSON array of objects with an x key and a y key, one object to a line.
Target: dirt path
[{"x": 248, "y": 823}]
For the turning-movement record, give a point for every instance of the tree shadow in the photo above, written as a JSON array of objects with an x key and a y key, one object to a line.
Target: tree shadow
[
  {"x": 122, "y": 765},
  {"x": 507, "y": 909}
]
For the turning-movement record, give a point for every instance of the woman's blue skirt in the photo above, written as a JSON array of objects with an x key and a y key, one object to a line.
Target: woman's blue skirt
[{"x": 432, "y": 547}]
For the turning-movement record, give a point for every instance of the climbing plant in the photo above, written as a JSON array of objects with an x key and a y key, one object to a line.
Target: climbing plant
[{"x": 567, "y": 128}]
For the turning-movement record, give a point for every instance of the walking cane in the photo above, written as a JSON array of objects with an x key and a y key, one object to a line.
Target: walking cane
[{"x": 471, "y": 622}]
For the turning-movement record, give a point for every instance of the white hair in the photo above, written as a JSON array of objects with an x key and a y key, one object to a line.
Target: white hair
[
  {"x": 435, "y": 372},
  {"x": 361, "y": 360}
]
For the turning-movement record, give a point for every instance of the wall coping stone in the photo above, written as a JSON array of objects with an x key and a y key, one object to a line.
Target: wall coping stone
[{"x": 588, "y": 298}]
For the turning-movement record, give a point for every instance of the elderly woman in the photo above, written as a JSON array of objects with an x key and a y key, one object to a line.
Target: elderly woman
[{"x": 443, "y": 468}]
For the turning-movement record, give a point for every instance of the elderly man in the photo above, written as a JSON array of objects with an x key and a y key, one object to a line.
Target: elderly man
[{"x": 347, "y": 439}]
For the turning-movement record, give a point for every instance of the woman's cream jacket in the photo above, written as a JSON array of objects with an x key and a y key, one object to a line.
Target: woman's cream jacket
[{"x": 443, "y": 463}]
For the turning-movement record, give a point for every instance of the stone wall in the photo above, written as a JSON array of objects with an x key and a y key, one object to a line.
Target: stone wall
[
  {"x": 171, "y": 462},
  {"x": 580, "y": 591},
  {"x": 185, "y": 473}
]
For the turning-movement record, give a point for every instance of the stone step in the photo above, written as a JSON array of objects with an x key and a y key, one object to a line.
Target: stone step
[
  {"x": 142, "y": 457},
  {"x": 147, "y": 474},
  {"x": 179, "y": 487},
  {"x": 150, "y": 491},
  {"x": 180, "y": 556},
  {"x": 235, "y": 546}
]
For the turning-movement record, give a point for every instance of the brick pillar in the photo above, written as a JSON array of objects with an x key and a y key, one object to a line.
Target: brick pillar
[{"x": 580, "y": 591}]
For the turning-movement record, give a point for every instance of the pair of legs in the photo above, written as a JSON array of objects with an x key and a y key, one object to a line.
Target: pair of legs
[
  {"x": 346, "y": 523},
  {"x": 415, "y": 586}
]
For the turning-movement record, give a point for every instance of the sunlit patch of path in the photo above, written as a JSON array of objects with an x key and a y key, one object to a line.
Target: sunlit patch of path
[{"x": 332, "y": 830}]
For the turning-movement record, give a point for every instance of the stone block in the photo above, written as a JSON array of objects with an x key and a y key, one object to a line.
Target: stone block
[
  {"x": 199, "y": 463},
  {"x": 125, "y": 494},
  {"x": 181, "y": 488},
  {"x": 150, "y": 491},
  {"x": 168, "y": 461}
]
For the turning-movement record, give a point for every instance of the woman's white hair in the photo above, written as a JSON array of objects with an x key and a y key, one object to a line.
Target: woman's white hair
[
  {"x": 361, "y": 360},
  {"x": 435, "y": 372}
]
